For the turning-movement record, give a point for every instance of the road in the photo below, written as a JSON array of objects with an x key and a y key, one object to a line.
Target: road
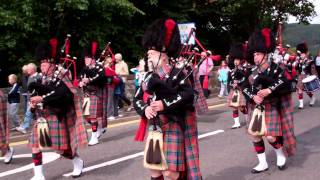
[{"x": 225, "y": 154}]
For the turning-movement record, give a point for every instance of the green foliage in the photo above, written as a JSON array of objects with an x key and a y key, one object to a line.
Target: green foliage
[
  {"x": 298, "y": 33},
  {"x": 24, "y": 23}
]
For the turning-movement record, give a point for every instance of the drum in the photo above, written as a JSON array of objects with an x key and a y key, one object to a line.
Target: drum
[{"x": 311, "y": 83}]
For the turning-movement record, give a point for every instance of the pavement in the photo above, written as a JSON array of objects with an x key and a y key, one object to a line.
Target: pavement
[{"x": 225, "y": 154}]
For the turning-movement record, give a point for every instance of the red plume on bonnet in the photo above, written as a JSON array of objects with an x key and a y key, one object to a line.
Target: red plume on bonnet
[
  {"x": 53, "y": 43},
  {"x": 266, "y": 34},
  {"x": 170, "y": 25},
  {"x": 94, "y": 46}
]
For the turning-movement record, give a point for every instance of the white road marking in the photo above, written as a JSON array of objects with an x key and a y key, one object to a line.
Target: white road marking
[
  {"x": 132, "y": 156},
  {"x": 47, "y": 158},
  {"x": 19, "y": 156}
]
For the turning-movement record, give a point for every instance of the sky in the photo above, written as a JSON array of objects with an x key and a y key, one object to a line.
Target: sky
[{"x": 316, "y": 19}]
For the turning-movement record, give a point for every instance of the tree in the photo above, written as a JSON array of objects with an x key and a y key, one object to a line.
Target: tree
[{"x": 24, "y": 23}]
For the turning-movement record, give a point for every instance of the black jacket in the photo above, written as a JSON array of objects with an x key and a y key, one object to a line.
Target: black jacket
[
  {"x": 14, "y": 94},
  {"x": 176, "y": 97},
  {"x": 272, "y": 78}
]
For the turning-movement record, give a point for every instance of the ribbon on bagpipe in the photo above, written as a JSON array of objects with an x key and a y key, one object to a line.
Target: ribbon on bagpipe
[
  {"x": 113, "y": 67},
  {"x": 67, "y": 62},
  {"x": 141, "y": 131}
]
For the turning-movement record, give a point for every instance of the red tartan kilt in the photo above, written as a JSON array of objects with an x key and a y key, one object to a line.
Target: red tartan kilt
[
  {"x": 289, "y": 140},
  {"x": 242, "y": 98},
  {"x": 300, "y": 84},
  {"x": 96, "y": 106},
  {"x": 59, "y": 130},
  {"x": 192, "y": 146},
  {"x": 173, "y": 145},
  {"x": 272, "y": 117},
  {"x": 201, "y": 103}
]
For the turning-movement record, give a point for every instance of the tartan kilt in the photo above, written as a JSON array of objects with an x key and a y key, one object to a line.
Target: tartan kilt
[
  {"x": 96, "y": 105},
  {"x": 4, "y": 125},
  {"x": 242, "y": 99},
  {"x": 299, "y": 83},
  {"x": 272, "y": 117},
  {"x": 287, "y": 124},
  {"x": 192, "y": 147},
  {"x": 200, "y": 103},
  {"x": 173, "y": 144},
  {"x": 60, "y": 130}
]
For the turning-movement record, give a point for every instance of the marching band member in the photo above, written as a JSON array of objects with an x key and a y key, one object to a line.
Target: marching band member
[
  {"x": 5, "y": 149},
  {"x": 172, "y": 106},
  {"x": 93, "y": 96},
  {"x": 270, "y": 103},
  {"x": 290, "y": 67},
  {"x": 304, "y": 70},
  {"x": 236, "y": 77},
  {"x": 60, "y": 124}
]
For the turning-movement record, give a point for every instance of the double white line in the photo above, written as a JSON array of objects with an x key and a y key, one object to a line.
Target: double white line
[{"x": 132, "y": 156}]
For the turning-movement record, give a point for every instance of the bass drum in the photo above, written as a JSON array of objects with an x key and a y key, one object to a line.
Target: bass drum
[{"x": 311, "y": 83}]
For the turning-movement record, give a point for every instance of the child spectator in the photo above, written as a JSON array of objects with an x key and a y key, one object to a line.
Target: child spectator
[{"x": 223, "y": 79}]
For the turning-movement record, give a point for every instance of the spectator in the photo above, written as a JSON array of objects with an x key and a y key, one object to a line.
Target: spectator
[
  {"x": 33, "y": 77},
  {"x": 13, "y": 100},
  {"x": 112, "y": 81},
  {"x": 223, "y": 79},
  {"x": 121, "y": 67},
  {"x": 205, "y": 70},
  {"x": 117, "y": 97},
  {"x": 122, "y": 71},
  {"x": 317, "y": 63},
  {"x": 24, "y": 87}
]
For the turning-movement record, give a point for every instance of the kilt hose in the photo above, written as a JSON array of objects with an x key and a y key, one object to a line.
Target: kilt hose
[
  {"x": 181, "y": 148},
  {"x": 272, "y": 117},
  {"x": 4, "y": 125},
  {"x": 242, "y": 100}
]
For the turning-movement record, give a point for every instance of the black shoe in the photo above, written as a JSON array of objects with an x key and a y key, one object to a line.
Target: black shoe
[
  {"x": 253, "y": 171},
  {"x": 283, "y": 167}
]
